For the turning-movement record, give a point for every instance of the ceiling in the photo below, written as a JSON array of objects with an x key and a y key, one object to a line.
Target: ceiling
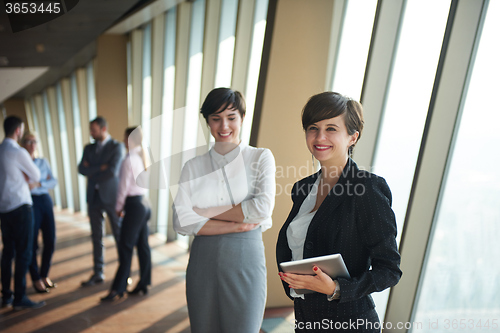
[{"x": 34, "y": 58}]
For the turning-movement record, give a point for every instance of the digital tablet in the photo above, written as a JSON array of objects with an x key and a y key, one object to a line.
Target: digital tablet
[{"x": 332, "y": 264}]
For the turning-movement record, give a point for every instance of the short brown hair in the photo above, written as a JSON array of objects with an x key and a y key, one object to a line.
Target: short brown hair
[
  {"x": 330, "y": 104},
  {"x": 100, "y": 121},
  {"x": 222, "y": 98}
]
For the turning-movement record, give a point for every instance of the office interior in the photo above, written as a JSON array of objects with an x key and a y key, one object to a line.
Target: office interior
[{"x": 426, "y": 72}]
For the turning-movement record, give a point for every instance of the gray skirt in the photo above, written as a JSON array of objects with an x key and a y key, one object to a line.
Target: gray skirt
[{"x": 226, "y": 283}]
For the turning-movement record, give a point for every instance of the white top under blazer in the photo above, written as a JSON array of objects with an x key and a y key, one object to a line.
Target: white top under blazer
[
  {"x": 297, "y": 229},
  {"x": 245, "y": 175}
]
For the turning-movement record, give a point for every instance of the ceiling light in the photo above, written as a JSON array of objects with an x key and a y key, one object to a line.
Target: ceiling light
[{"x": 40, "y": 48}]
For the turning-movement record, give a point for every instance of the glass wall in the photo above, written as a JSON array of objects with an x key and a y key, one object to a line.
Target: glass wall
[
  {"x": 408, "y": 95},
  {"x": 460, "y": 284},
  {"x": 257, "y": 43},
  {"x": 353, "y": 48},
  {"x": 64, "y": 148},
  {"x": 408, "y": 98},
  {"x": 227, "y": 34},
  {"x": 52, "y": 157}
]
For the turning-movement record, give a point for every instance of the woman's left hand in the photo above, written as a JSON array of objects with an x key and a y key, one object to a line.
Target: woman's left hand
[{"x": 319, "y": 282}]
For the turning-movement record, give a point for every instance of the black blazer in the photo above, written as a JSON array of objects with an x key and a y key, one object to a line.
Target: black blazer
[
  {"x": 112, "y": 154},
  {"x": 355, "y": 220}
]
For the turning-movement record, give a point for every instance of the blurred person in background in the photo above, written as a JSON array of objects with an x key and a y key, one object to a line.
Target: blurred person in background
[
  {"x": 43, "y": 214},
  {"x": 101, "y": 162},
  {"x": 16, "y": 171},
  {"x": 134, "y": 208}
]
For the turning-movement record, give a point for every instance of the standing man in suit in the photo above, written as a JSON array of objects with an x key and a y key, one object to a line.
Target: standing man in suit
[
  {"x": 101, "y": 164},
  {"x": 17, "y": 170}
]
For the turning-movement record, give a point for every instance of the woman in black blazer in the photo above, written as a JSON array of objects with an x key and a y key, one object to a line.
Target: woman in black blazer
[{"x": 339, "y": 209}]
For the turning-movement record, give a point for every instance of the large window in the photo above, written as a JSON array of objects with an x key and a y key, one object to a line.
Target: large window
[
  {"x": 52, "y": 147},
  {"x": 167, "y": 115},
  {"x": 407, "y": 104},
  {"x": 408, "y": 99},
  {"x": 353, "y": 47},
  {"x": 78, "y": 133},
  {"x": 64, "y": 148},
  {"x": 460, "y": 284},
  {"x": 227, "y": 32},
  {"x": 257, "y": 44}
]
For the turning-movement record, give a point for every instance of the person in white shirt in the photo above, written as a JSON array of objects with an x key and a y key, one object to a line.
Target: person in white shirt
[
  {"x": 16, "y": 170},
  {"x": 134, "y": 208},
  {"x": 225, "y": 199}
]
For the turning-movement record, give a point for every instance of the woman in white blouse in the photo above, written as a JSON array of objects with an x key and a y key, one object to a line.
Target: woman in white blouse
[
  {"x": 132, "y": 206},
  {"x": 225, "y": 199}
]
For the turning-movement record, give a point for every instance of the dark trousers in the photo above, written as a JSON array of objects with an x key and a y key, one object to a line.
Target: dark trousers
[
  {"x": 134, "y": 232},
  {"x": 96, "y": 209},
  {"x": 43, "y": 214},
  {"x": 17, "y": 237}
]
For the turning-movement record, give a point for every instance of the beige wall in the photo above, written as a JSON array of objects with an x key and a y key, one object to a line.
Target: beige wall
[
  {"x": 15, "y": 107},
  {"x": 111, "y": 82},
  {"x": 111, "y": 85},
  {"x": 297, "y": 70}
]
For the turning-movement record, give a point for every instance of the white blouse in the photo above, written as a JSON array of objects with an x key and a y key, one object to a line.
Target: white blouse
[
  {"x": 132, "y": 180},
  {"x": 297, "y": 229},
  {"x": 245, "y": 175}
]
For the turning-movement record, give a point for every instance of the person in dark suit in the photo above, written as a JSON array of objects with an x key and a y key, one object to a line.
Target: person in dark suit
[
  {"x": 101, "y": 163},
  {"x": 339, "y": 209}
]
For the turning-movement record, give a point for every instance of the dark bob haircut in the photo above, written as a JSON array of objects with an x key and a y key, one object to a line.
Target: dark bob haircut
[
  {"x": 328, "y": 105},
  {"x": 219, "y": 99}
]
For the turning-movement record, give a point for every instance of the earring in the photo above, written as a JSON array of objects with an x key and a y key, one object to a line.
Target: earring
[{"x": 313, "y": 161}]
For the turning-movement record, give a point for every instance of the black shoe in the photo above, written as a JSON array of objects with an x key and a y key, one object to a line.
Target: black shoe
[
  {"x": 27, "y": 304},
  {"x": 94, "y": 279},
  {"x": 50, "y": 285},
  {"x": 40, "y": 291},
  {"x": 7, "y": 302},
  {"x": 138, "y": 289},
  {"x": 112, "y": 296}
]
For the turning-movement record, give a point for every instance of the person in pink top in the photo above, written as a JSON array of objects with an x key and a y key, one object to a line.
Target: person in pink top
[{"x": 134, "y": 209}]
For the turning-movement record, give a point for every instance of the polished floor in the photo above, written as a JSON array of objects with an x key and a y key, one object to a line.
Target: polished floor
[{"x": 71, "y": 308}]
